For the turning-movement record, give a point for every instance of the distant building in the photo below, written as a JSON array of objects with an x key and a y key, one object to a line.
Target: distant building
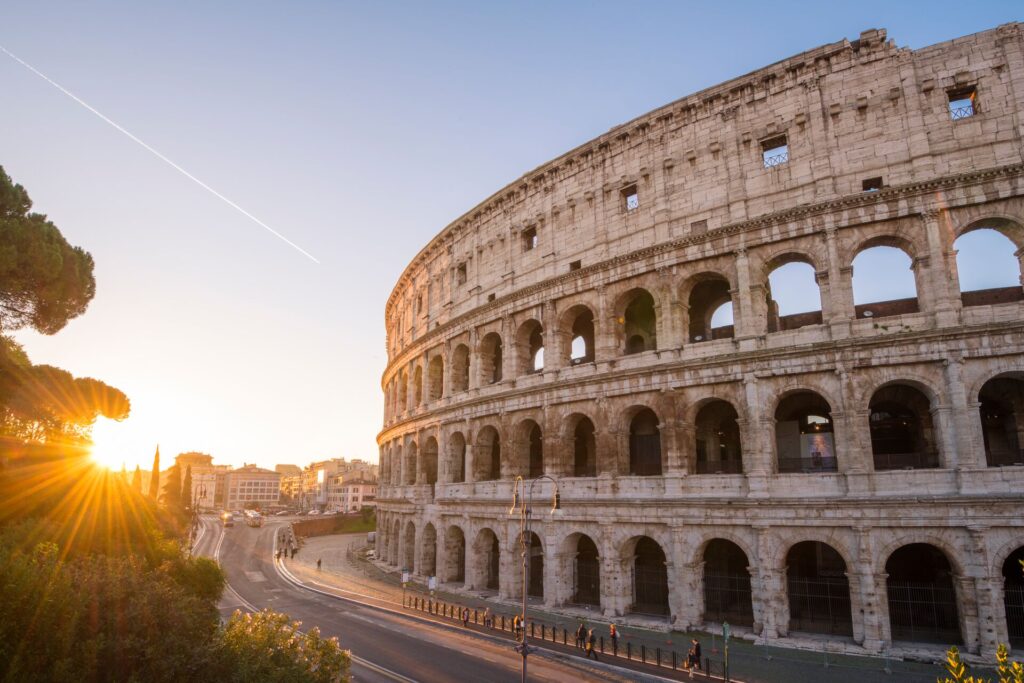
[
  {"x": 288, "y": 470},
  {"x": 252, "y": 484},
  {"x": 316, "y": 479},
  {"x": 350, "y": 495}
]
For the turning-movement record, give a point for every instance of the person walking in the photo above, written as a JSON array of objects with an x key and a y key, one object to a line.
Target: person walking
[
  {"x": 517, "y": 625},
  {"x": 581, "y": 636},
  {"x": 318, "y": 564},
  {"x": 465, "y": 617},
  {"x": 613, "y": 635},
  {"x": 693, "y": 658},
  {"x": 591, "y": 639},
  {"x": 487, "y": 618}
]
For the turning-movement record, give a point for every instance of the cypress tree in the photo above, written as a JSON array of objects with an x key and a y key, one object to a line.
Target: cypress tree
[
  {"x": 154, "y": 479},
  {"x": 186, "y": 489},
  {"x": 137, "y": 479},
  {"x": 172, "y": 489}
]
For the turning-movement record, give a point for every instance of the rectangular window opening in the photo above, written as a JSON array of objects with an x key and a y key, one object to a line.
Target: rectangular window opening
[
  {"x": 575, "y": 265},
  {"x": 962, "y": 103},
  {"x": 490, "y": 297},
  {"x": 872, "y": 184},
  {"x": 530, "y": 239},
  {"x": 460, "y": 274},
  {"x": 630, "y": 198},
  {"x": 775, "y": 151}
]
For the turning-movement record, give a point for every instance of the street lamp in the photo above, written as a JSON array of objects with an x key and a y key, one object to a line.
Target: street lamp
[{"x": 525, "y": 507}]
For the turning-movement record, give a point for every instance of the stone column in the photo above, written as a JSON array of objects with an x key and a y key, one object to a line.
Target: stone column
[
  {"x": 473, "y": 367},
  {"x": 510, "y": 563},
  {"x": 745, "y": 316},
  {"x": 840, "y": 290},
  {"x": 968, "y": 450},
  {"x": 768, "y": 592},
  {"x": 605, "y": 330},
  {"x": 446, "y": 374},
  {"x": 554, "y": 340},
  {"x": 988, "y": 589},
  {"x": 755, "y": 440},
  {"x": 967, "y": 601},
  {"x": 509, "y": 350},
  {"x": 672, "y": 460},
  {"x": 616, "y": 575},
  {"x": 557, "y": 462},
  {"x": 942, "y": 275}
]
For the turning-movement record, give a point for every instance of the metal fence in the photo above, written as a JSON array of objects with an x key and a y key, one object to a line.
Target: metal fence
[
  {"x": 923, "y": 612},
  {"x": 1014, "y": 601},
  {"x": 727, "y": 598},
  {"x": 902, "y": 461},
  {"x": 820, "y": 605},
  {"x": 963, "y": 112},
  {"x": 719, "y": 466}
]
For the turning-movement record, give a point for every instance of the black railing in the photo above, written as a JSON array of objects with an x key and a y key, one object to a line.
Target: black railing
[
  {"x": 1004, "y": 457},
  {"x": 923, "y": 612},
  {"x": 772, "y": 160},
  {"x": 820, "y": 605},
  {"x": 1013, "y": 598},
  {"x": 810, "y": 463},
  {"x": 719, "y": 467},
  {"x": 906, "y": 461},
  {"x": 964, "y": 112},
  {"x": 727, "y": 597}
]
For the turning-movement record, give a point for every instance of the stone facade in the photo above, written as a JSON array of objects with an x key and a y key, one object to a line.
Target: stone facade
[{"x": 790, "y": 474}]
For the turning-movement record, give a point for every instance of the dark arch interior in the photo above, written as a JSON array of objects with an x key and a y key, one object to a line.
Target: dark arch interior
[
  {"x": 717, "y": 436},
  {"x": 457, "y": 450},
  {"x": 430, "y": 461},
  {"x": 429, "y": 557},
  {"x": 819, "y": 592},
  {"x": 901, "y": 429},
  {"x": 587, "y": 573},
  {"x": 536, "y": 550},
  {"x": 584, "y": 449},
  {"x": 705, "y": 298},
  {"x": 650, "y": 578},
  {"x": 491, "y": 358},
  {"x": 581, "y": 348},
  {"x": 644, "y": 444},
  {"x": 492, "y": 561},
  {"x": 1013, "y": 596},
  {"x": 803, "y": 434},
  {"x": 455, "y": 546},
  {"x": 460, "y": 368},
  {"x": 922, "y": 598},
  {"x": 1002, "y": 401},
  {"x": 487, "y": 454},
  {"x": 536, "y": 452},
  {"x": 727, "y": 595},
  {"x": 640, "y": 324}
]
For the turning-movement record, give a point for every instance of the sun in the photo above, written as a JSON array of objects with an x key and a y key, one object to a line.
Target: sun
[{"x": 110, "y": 448}]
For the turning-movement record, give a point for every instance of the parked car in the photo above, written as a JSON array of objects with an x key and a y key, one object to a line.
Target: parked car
[{"x": 314, "y": 512}]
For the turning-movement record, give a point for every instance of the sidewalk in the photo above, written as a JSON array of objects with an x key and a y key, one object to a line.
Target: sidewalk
[{"x": 343, "y": 567}]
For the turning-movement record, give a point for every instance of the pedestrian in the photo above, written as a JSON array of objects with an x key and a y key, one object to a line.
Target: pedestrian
[
  {"x": 465, "y": 617},
  {"x": 294, "y": 550},
  {"x": 591, "y": 638},
  {"x": 693, "y": 658},
  {"x": 581, "y": 636},
  {"x": 487, "y": 618},
  {"x": 613, "y": 634},
  {"x": 318, "y": 564},
  {"x": 516, "y": 625}
]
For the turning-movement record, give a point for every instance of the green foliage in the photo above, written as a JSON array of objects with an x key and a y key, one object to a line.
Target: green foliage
[
  {"x": 46, "y": 411},
  {"x": 172, "y": 488},
  {"x": 186, "y": 488},
  {"x": 268, "y": 646},
  {"x": 44, "y": 281}
]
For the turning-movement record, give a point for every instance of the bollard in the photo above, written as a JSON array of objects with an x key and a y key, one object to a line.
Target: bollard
[
  {"x": 657, "y": 655},
  {"x": 643, "y": 653},
  {"x": 474, "y": 616},
  {"x": 565, "y": 634},
  {"x": 502, "y": 622},
  {"x": 602, "y": 644},
  {"x": 707, "y": 667},
  {"x": 629, "y": 651},
  {"x": 675, "y": 664}
]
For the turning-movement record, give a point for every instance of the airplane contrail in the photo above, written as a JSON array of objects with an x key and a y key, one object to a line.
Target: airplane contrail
[{"x": 160, "y": 156}]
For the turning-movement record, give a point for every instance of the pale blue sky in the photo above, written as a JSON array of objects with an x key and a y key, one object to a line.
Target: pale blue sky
[{"x": 359, "y": 130}]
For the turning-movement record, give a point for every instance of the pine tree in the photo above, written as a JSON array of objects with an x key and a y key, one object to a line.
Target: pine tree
[
  {"x": 186, "y": 489},
  {"x": 137, "y": 480},
  {"x": 154, "y": 479},
  {"x": 172, "y": 489}
]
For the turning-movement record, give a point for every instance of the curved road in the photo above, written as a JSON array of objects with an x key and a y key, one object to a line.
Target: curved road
[{"x": 386, "y": 646}]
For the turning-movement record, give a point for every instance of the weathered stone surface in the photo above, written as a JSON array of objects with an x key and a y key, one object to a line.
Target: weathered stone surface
[{"x": 564, "y": 253}]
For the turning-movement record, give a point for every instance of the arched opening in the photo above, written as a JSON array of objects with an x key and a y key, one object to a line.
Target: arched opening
[
  {"x": 586, "y": 573},
  {"x": 794, "y": 299},
  {"x": 489, "y": 552},
  {"x": 536, "y": 452},
  {"x": 460, "y": 368},
  {"x": 435, "y": 378},
  {"x": 883, "y": 283},
  {"x": 727, "y": 596},
  {"x": 986, "y": 264},
  {"x": 640, "y": 322},
  {"x": 584, "y": 448},
  {"x": 803, "y": 434},
  {"x": 644, "y": 444},
  {"x": 581, "y": 335},
  {"x": 650, "y": 578},
  {"x": 710, "y": 309},
  {"x": 535, "y": 587},
  {"x": 403, "y": 391},
  {"x": 1013, "y": 596},
  {"x": 819, "y": 592},
  {"x": 487, "y": 455},
  {"x": 530, "y": 347},
  {"x": 409, "y": 543},
  {"x": 717, "y": 434},
  {"x": 398, "y": 464},
  {"x": 429, "y": 552},
  {"x": 455, "y": 555},
  {"x": 1002, "y": 400},
  {"x": 490, "y": 358},
  {"x": 922, "y": 599},
  {"x": 430, "y": 461},
  {"x": 457, "y": 457},
  {"x": 411, "y": 464},
  {"x": 417, "y": 387},
  {"x": 901, "y": 429},
  {"x": 527, "y": 450}
]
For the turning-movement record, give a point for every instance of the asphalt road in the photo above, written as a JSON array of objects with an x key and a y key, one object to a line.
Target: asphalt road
[{"x": 385, "y": 646}]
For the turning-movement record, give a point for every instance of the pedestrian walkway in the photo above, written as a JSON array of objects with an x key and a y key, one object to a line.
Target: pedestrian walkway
[{"x": 345, "y": 568}]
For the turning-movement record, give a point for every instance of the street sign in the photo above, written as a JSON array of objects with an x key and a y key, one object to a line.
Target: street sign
[
  {"x": 432, "y": 583},
  {"x": 725, "y": 631},
  {"x": 405, "y": 576}
]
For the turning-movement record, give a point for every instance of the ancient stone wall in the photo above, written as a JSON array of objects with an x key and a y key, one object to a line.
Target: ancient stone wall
[{"x": 565, "y": 327}]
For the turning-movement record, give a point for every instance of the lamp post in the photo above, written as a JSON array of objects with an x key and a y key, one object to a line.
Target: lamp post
[{"x": 525, "y": 507}]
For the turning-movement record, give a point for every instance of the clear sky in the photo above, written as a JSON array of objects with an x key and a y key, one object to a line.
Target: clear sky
[{"x": 358, "y": 130}]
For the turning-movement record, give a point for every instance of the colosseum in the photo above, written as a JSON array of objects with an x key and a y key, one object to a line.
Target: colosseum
[{"x": 607, "y": 322}]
